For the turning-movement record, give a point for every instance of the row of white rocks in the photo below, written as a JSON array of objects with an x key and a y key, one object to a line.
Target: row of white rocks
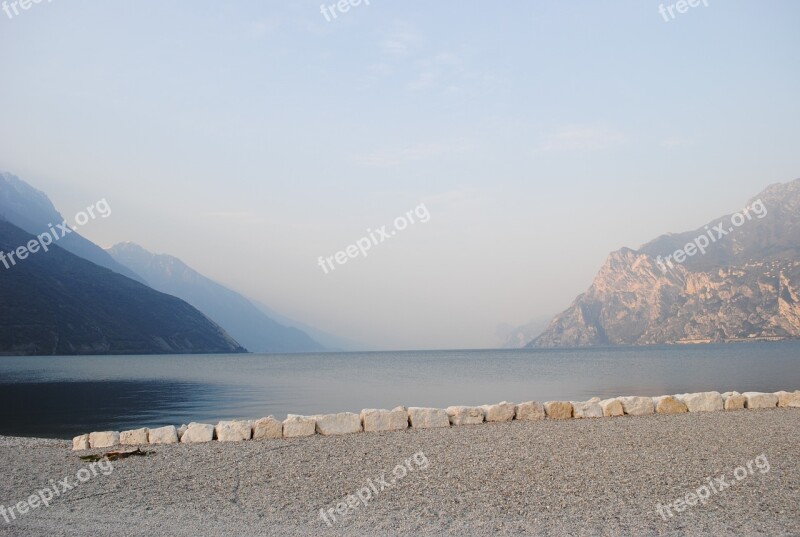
[{"x": 400, "y": 418}]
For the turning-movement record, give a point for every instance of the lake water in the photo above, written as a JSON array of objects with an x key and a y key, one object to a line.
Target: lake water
[{"x": 63, "y": 396}]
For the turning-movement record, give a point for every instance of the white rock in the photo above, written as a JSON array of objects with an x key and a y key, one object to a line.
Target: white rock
[
  {"x": 267, "y": 427},
  {"x": 379, "y": 419},
  {"x": 181, "y": 430},
  {"x": 612, "y": 407},
  {"x": 163, "y": 435},
  {"x": 427, "y": 418},
  {"x": 234, "y": 431},
  {"x": 788, "y": 399},
  {"x": 500, "y": 412},
  {"x": 529, "y": 411},
  {"x": 103, "y": 439},
  {"x": 80, "y": 443},
  {"x": 637, "y": 406},
  {"x": 761, "y": 400},
  {"x": 587, "y": 409},
  {"x": 294, "y": 426},
  {"x": 733, "y": 400},
  {"x": 197, "y": 433},
  {"x": 702, "y": 401},
  {"x": 135, "y": 437},
  {"x": 336, "y": 424},
  {"x": 465, "y": 415}
]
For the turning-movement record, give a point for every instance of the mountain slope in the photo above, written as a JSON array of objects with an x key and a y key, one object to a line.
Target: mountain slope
[
  {"x": 246, "y": 323},
  {"x": 745, "y": 287},
  {"x": 329, "y": 341},
  {"x": 56, "y": 303},
  {"x": 32, "y": 211}
]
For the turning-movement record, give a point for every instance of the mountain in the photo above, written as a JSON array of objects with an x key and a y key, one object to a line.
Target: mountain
[
  {"x": 56, "y": 303},
  {"x": 516, "y": 337},
  {"x": 331, "y": 342},
  {"x": 745, "y": 287},
  {"x": 246, "y": 323},
  {"x": 32, "y": 211}
]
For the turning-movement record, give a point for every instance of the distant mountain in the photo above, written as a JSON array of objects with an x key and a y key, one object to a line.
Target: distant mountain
[
  {"x": 745, "y": 287},
  {"x": 329, "y": 341},
  {"x": 516, "y": 337},
  {"x": 32, "y": 211},
  {"x": 56, "y": 303},
  {"x": 232, "y": 311}
]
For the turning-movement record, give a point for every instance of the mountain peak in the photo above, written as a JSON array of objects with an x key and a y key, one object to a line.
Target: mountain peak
[
  {"x": 739, "y": 287},
  {"x": 32, "y": 211}
]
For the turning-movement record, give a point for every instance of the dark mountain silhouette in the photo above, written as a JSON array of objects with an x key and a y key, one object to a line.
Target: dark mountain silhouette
[
  {"x": 31, "y": 210},
  {"x": 56, "y": 303}
]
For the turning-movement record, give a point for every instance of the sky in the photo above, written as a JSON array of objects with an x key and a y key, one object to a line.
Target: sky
[{"x": 252, "y": 138}]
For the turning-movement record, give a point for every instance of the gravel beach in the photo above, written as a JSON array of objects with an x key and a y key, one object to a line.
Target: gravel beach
[{"x": 575, "y": 477}]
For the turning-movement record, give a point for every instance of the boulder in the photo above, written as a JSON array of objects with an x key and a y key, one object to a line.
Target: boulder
[
  {"x": 163, "y": 435},
  {"x": 336, "y": 424},
  {"x": 80, "y": 443},
  {"x": 637, "y": 406},
  {"x": 197, "y": 433},
  {"x": 558, "y": 410},
  {"x": 667, "y": 404},
  {"x": 234, "y": 431},
  {"x": 103, "y": 439},
  {"x": 702, "y": 401},
  {"x": 378, "y": 419},
  {"x": 733, "y": 400},
  {"x": 267, "y": 427},
  {"x": 465, "y": 415},
  {"x": 294, "y": 426},
  {"x": 181, "y": 431},
  {"x": 587, "y": 409},
  {"x": 789, "y": 399},
  {"x": 760, "y": 400},
  {"x": 529, "y": 411},
  {"x": 427, "y": 418},
  {"x": 135, "y": 437},
  {"x": 500, "y": 412},
  {"x": 612, "y": 407}
]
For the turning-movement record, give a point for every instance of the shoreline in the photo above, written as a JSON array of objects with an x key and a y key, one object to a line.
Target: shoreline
[
  {"x": 419, "y": 418},
  {"x": 570, "y": 477}
]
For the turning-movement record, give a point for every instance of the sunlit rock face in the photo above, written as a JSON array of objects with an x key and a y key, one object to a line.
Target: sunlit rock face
[{"x": 745, "y": 287}]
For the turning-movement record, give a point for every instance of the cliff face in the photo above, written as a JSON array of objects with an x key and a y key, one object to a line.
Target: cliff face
[{"x": 746, "y": 286}]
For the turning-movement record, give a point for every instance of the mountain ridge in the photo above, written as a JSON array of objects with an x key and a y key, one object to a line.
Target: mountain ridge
[
  {"x": 234, "y": 312},
  {"x": 57, "y": 303},
  {"x": 32, "y": 210},
  {"x": 745, "y": 287}
]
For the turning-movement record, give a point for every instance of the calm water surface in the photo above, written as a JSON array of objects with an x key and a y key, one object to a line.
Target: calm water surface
[{"x": 67, "y": 395}]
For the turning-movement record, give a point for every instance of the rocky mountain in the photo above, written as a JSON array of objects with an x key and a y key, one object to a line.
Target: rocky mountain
[
  {"x": 735, "y": 279},
  {"x": 246, "y": 323},
  {"x": 56, "y": 303},
  {"x": 32, "y": 211}
]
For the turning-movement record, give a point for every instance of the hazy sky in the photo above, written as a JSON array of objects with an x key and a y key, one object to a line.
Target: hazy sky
[{"x": 250, "y": 138}]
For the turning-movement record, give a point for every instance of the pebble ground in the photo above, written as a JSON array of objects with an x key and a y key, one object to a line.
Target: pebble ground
[{"x": 577, "y": 477}]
